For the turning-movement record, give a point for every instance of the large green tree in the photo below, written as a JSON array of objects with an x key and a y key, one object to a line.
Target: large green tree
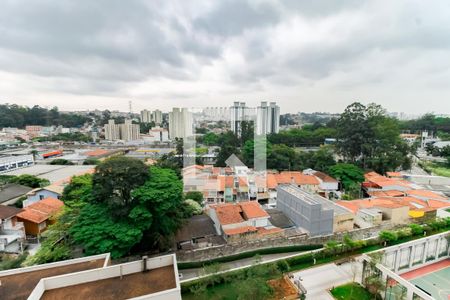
[
  {"x": 115, "y": 179},
  {"x": 153, "y": 214},
  {"x": 348, "y": 174},
  {"x": 368, "y": 137}
]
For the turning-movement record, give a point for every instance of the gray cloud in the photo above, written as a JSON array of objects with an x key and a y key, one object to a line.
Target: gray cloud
[{"x": 191, "y": 51}]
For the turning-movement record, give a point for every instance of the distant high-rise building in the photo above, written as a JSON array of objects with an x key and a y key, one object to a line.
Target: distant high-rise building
[
  {"x": 180, "y": 123},
  {"x": 146, "y": 116},
  {"x": 238, "y": 113},
  {"x": 126, "y": 132},
  {"x": 129, "y": 131},
  {"x": 267, "y": 118},
  {"x": 156, "y": 117},
  {"x": 112, "y": 132}
]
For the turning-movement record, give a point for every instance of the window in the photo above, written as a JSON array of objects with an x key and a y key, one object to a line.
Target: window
[{"x": 41, "y": 197}]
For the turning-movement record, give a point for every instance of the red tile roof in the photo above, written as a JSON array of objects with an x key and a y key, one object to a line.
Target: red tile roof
[
  {"x": 232, "y": 213},
  {"x": 240, "y": 230},
  {"x": 425, "y": 194},
  {"x": 390, "y": 193},
  {"x": 298, "y": 178},
  {"x": 228, "y": 213},
  {"x": 42, "y": 210},
  {"x": 325, "y": 177},
  {"x": 252, "y": 209}
]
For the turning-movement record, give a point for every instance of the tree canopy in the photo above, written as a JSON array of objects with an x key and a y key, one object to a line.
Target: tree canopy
[
  {"x": 148, "y": 218},
  {"x": 115, "y": 179},
  {"x": 368, "y": 137}
]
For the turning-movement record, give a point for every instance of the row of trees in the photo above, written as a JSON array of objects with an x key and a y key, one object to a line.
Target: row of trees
[{"x": 12, "y": 115}]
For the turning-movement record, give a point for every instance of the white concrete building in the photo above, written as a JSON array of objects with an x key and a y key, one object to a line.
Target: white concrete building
[
  {"x": 129, "y": 131},
  {"x": 10, "y": 163},
  {"x": 238, "y": 113},
  {"x": 146, "y": 116},
  {"x": 112, "y": 132},
  {"x": 267, "y": 118},
  {"x": 180, "y": 123},
  {"x": 157, "y": 117}
]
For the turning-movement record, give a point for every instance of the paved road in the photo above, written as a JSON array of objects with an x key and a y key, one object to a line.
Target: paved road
[{"x": 319, "y": 280}]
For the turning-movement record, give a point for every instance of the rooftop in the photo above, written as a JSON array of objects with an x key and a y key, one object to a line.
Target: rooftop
[
  {"x": 117, "y": 288},
  {"x": 196, "y": 227},
  {"x": 53, "y": 173},
  {"x": 18, "y": 284},
  {"x": 232, "y": 213},
  {"x": 41, "y": 210},
  {"x": 313, "y": 199},
  {"x": 7, "y": 212},
  {"x": 11, "y": 191}
]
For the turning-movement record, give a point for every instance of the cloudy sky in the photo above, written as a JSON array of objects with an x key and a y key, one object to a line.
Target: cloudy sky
[{"x": 306, "y": 55}]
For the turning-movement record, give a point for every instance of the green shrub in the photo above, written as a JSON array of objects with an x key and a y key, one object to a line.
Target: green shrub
[{"x": 416, "y": 229}]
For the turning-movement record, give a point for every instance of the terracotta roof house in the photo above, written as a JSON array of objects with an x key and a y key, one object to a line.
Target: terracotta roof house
[
  {"x": 37, "y": 216},
  {"x": 235, "y": 220}
]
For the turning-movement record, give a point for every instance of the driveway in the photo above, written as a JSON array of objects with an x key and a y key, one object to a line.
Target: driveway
[{"x": 318, "y": 280}]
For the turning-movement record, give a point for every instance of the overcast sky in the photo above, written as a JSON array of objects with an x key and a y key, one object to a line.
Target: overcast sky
[{"x": 306, "y": 55}]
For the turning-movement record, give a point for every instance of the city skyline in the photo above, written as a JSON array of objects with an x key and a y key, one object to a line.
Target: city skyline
[{"x": 305, "y": 56}]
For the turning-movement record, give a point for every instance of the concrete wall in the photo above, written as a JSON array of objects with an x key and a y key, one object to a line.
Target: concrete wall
[
  {"x": 232, "y": 248},
  {"x": 397, "y": 215},
  {"x": 343, "y": 222},
  {"x": 309, "y": 216}
]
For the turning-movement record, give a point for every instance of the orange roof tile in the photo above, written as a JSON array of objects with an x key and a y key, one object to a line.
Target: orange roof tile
[
  {"x": 41, "y": 210},
  {"x": 425, "y": 194},
  {"x": 265, "y": 231},
  {"x": 252, "y": 209},
  {"x": 229, "y": 213},
  {"x": 390, "y": 193},
  {"x": 297, "y": 177},
  {"x": 240, "y": 230},
  {"x": 325, "y": 177}
]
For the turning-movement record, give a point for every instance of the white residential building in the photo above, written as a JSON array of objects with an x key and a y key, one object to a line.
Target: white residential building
[
  {"x": 146, "y": 116},
  {"x": 129, "y": 131},
  {"x": 156, "y": 117},
  {"x": 267, "y": 118},
  {"x": 180, "y": 123},
  {"x": 112, "y": 132},
  {"x": 126, "y": 132}
]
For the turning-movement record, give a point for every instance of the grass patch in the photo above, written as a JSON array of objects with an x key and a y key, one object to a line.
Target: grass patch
[
  {"x": 351, "y": 291},
  {"x": 439, "y": 169}
]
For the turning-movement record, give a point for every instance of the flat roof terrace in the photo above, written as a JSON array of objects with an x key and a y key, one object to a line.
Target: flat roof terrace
[
  {"x": 18, "y": 284},
  {"x": 117, "y": 288}
]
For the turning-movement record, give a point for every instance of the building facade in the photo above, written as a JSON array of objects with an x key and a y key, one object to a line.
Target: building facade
[
  {"x": 146, "y": 116},
  {"x": 126, "y": 132},
  {"x": 267, "y": 118},
  {"x": 180, "y": 123}
]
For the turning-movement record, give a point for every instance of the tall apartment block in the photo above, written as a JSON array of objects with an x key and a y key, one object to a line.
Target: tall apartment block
[
  {"x": 126, "y": 132},
  {"x": 180, "y": 123},
  {"x": 146, "y": 116},
  {"x": 267, "y": 118},
  {"x": 238, "y": 112}
]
